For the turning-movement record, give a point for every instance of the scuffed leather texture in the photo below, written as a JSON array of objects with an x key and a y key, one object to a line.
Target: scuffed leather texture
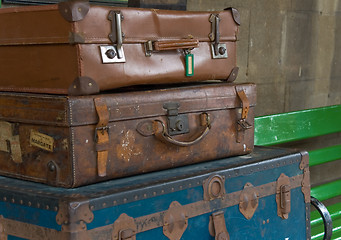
[
  {"x": 42, "y": 52},
  {"x": 71, "y": 122}
]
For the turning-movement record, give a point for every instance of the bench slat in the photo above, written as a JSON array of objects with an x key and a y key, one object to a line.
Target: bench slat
[
  {"x": 318, "y": 233},
  {"x": 324, "y": 155},
  {"x": 327, "y": 191},
  {"x": 292, "y": 126}
]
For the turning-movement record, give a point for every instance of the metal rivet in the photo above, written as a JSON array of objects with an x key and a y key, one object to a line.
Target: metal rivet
[
  {"x": 222, "y": 50},
  {"x": 79, "y": 9},
  {"x": 51, "y": 167},
  {"x": 111, "y": 53},
  {"x": 90, "y": 84}
]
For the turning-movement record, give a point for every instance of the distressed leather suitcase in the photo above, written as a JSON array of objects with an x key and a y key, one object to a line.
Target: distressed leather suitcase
[
  {"x": 264, "y": 195},
  {"x": 75, "y": 49},
  {"x": 70, "y": 141}
]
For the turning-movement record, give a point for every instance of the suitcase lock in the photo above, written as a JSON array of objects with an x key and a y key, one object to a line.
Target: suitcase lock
[
  {"x": 217, "y": 226},
  {"x": 176, "y": 123},
  {"x": 283, "y": 196},
  {"x": 219, "y": 50},
  {"x": 115, "y": 53}
]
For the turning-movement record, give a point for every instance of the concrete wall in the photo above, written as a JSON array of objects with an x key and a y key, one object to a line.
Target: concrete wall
[{"x": 290, "y": 48}]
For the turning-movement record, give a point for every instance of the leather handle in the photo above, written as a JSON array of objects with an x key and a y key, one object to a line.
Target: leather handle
[
  {"x": 327, "y": 220},
  {"x": 166, "y": 137},
  {"x": 176, "y": 44}
]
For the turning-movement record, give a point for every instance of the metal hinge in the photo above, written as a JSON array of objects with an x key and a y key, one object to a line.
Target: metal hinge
[
  {"x": 218, "y": 49},
  {"x": 114, "y": 53}
]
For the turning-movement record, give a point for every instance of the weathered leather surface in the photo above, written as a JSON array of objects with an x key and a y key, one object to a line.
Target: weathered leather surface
[
  {"x": 71, "y": 122},
  {"x": 42, "y": 52}
]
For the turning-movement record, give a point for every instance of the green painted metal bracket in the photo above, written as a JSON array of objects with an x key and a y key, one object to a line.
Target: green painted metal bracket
[{"x": 292, "y": 126}]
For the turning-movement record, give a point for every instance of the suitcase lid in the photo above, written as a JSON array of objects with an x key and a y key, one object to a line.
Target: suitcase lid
[
  {"x": 77, "y": 22},
  {"x": 81, "y": 110}
]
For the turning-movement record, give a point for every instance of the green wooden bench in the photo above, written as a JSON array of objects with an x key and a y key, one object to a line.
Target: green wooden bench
[{"x": 305, "y": 124}]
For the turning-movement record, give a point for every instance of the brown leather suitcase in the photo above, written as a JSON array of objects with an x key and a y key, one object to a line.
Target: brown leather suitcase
[
  {"x": 71, "y": 141},
  {"x": 75, "y": 49}
]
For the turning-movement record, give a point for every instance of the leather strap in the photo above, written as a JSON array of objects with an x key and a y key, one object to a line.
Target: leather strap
[
  {"x": 242, "y": 123},
  {"x": 245, "y": 103},
  {"x": 102, "y": 136}
]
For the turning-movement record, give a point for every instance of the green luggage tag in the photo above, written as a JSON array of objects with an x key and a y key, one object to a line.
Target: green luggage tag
[{"x": 189, "y": 64}]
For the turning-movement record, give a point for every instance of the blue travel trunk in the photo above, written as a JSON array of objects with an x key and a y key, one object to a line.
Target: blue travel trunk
[{"x": 263, "y": 195}]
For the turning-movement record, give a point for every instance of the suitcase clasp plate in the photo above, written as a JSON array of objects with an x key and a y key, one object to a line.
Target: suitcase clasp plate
[
  {"x": 176, "y": 123},
  {"x": 283, "y": 196},
  {"x": 219, "y": 50},
  {"x": 115, "y": 53}
]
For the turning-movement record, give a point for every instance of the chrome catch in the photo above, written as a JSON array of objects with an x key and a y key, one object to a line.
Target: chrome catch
[
  {"x": 218, "y": 49},
  {"x": 115, "y": 53}
]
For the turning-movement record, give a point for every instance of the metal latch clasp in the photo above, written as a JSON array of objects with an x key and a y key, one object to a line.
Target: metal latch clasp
[
  {"x": 115, "y": 53},
  {"x": 219, "y": 50},
  {"x": 217, "y": 226},
  {"x": 283, "y": 198},
  {"x": 176, "y": 123}
]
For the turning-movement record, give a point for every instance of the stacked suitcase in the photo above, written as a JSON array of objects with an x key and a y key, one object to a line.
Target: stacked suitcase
[{"x": 117, "y": 160}]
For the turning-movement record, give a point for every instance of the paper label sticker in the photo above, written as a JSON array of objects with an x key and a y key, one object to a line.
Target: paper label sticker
[{"x": 42, "y": 141}]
